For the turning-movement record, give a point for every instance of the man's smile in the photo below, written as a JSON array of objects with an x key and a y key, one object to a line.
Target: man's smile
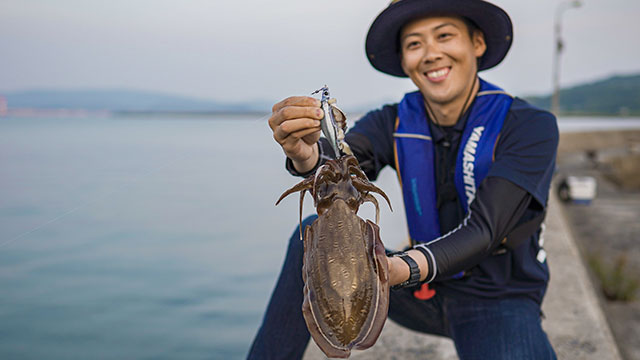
[{"x": 438, "y": 75}]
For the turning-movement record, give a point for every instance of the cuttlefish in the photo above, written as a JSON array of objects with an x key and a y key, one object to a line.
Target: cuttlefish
[{"x": 346, "y": 282}]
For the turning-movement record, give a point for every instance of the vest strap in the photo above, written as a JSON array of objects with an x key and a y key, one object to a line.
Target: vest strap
[
  {"x": 414, "y": 153},
  {"x": 412, "y": 136}
]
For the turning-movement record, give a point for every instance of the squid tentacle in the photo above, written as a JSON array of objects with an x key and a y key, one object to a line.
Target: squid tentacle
[
  {"x": 357, "y": 171},
  {"x": 370, "y": 198},
  {"x": 367, "y": 186},
  {"x": 300, "y": 217},
  {"x": 303, "y": 187},
  {"x": 306, "y": 184}
]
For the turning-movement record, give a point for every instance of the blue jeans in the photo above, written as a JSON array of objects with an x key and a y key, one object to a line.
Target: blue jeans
[{"x": 480, "y": 329}]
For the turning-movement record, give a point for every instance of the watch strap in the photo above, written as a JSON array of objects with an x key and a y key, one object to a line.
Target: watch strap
[{"x": 414, "y": 277}]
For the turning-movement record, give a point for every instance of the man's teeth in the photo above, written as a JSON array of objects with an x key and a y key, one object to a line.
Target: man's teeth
[{"x": 437, "y": 73}]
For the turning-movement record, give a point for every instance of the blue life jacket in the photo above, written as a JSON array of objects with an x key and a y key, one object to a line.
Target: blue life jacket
[{"x": 414, "y": 153}]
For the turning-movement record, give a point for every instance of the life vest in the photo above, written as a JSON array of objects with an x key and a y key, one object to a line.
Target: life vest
[{"x": 414, "y": 156}]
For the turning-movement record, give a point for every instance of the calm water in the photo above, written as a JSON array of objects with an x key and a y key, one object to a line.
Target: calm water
[{"x": 144, "y": 238}]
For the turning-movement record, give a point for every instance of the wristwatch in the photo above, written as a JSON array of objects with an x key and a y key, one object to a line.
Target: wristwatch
[{"x": 414, "y": 278}]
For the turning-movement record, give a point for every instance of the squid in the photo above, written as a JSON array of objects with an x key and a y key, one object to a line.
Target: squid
[{"x": 345, "y": 273}]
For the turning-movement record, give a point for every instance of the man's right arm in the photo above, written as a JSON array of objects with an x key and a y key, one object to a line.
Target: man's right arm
[
  {"x": 295, "y": 123},
  {"x": 324, "y": 153},
  {"x": 306, "y": 166}
]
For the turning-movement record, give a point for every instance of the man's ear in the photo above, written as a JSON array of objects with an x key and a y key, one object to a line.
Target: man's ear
[{"x": 479, "y": 45}]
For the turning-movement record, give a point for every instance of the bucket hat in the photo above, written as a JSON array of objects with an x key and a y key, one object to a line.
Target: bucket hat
[{"x": 382, "y": 46}]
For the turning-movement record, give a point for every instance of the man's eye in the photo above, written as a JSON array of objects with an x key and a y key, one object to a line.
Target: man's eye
[
  {"x": 444, "y": 36},
  {"x": 413, "y": 44}
]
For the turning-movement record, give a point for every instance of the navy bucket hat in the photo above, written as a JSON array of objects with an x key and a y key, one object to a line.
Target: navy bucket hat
[{"x": 382, "y": 40}]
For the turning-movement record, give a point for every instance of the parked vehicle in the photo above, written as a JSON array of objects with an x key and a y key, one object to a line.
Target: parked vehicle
[{"x": 577, "y": 189}]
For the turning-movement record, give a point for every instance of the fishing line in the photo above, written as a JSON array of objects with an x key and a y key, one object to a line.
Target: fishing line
[{"x": 265, "y": 117}]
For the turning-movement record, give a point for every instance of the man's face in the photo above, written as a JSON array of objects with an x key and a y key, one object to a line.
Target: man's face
[{"x": 439, "y": 55}]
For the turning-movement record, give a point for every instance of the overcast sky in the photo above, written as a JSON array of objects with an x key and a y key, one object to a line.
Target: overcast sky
[{"x": 245, "y": 50}]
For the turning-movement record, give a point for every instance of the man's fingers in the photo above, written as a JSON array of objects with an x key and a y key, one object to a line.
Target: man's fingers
[
  {"x": 290, "y": 113},
  {"x": 296, "y": 101},
  {"x": 302, "y": 133},
  {"x": 295, "y": 123},
  {"x": 293, "y": 141},
  {"x": 312, "y": 138},
  {"x": 290, "y": 127},
  {"x": 293, "y": 126}
]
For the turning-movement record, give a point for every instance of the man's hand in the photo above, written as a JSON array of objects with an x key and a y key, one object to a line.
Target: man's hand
[{"x": 295, "y": 122}]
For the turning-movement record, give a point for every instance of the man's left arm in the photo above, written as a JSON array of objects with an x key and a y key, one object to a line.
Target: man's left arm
[
  {"x": 518, "y": 180},
  {"x": 498, "y": 206}
]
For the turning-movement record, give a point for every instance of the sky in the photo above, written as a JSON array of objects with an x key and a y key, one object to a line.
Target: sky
[{"x": 266, "y": 50}]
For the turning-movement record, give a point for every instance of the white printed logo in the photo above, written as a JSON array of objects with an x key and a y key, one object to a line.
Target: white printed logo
[{"x": 468, "y": 159}]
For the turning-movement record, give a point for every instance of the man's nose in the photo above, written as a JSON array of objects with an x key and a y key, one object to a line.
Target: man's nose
[{"x": 432, "y": 52}]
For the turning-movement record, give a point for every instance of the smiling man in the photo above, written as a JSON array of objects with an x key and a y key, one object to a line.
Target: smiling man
[{"x": 475, "y": 165}]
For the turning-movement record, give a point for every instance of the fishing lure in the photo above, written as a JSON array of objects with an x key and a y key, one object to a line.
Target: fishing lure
[{"x": 334, "y": 123}]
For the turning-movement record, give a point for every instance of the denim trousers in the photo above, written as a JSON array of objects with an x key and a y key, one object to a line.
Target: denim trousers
[{"x": 480, "y": 328}]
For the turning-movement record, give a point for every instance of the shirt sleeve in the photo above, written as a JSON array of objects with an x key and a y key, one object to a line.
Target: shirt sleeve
[
  {"x": 376, "y": 127},
  {"x": 496, "y": 210},
  {"x": 526, "y": 151}
]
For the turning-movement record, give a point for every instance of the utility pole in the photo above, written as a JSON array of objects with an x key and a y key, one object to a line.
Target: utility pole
[{"x": 559, "y": 45}]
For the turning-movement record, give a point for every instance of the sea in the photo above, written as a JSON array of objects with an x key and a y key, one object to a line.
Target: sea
[{"x": 142, "y": 237}]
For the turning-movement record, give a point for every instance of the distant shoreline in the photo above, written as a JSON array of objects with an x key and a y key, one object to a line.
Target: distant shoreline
[
  {"x": 79, "y": 113},
  {"x": 67, "y": 112},
  {"x": 188, "y": 113}
]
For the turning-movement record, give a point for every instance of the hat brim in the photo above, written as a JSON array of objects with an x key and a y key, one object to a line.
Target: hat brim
[{"x": 381, "y": 44}]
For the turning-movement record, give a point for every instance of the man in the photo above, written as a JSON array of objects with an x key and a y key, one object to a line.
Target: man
[{"x": 475, "y": 166}]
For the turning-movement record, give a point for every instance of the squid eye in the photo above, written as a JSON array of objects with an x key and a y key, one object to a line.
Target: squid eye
[{"x": 321, "y": 190}]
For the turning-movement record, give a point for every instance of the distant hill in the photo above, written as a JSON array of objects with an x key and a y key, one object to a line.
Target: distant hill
[
  {"x": 116, "y": 100},
  {"x": 617, "y": 95}
]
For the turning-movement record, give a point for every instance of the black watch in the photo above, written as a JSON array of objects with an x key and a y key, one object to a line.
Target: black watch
[{"x": 414, "y": 278}]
